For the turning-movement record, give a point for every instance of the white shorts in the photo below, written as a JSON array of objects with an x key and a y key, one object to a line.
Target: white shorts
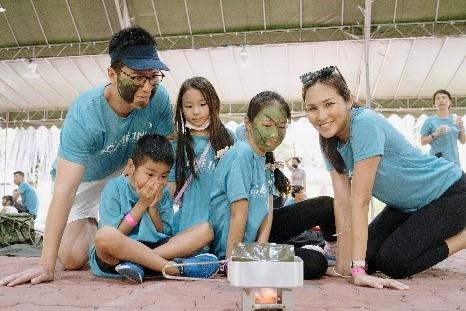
[{"x": 87, "y": 200}]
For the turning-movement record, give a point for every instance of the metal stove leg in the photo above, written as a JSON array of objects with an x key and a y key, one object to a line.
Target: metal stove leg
[
  {"x": 248, "y": 299},
  {"x": 286, "y": 298}
]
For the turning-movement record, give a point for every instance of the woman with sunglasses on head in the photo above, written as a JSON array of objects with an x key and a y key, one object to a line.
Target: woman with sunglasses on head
[
  {"x": 425, "y": 215},
  {"x": 442, "y": 130}
]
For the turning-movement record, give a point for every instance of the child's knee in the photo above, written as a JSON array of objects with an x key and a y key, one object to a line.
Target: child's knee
[
  {"x": 206, "y": 230},
  {"x": 106, "y": 238}
]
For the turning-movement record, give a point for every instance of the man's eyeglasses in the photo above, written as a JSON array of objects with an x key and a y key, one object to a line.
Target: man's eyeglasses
[
  {"x": 141, "y": 80},
  {"x": 311, "y": 77}
]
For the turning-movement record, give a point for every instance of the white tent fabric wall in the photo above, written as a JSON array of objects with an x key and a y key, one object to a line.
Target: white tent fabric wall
[{"x": 33, "y": 151}]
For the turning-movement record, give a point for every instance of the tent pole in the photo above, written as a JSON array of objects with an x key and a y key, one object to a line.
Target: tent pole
[
  {"x": 367, "y": 38},
  {"x": 4, "y": 152}
]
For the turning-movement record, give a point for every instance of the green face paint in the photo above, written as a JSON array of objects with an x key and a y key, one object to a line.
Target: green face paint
[
  {"x": 127, "y": 89},
  {"x": 269, "y": 127}
]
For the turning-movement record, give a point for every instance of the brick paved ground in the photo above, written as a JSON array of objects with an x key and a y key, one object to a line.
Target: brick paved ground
[{"x": 441, "y": 288}]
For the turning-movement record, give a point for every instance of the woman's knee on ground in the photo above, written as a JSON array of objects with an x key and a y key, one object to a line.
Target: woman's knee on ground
[
  {"x": 314, "y": 263},
  {"x": 393, "y": 265}
]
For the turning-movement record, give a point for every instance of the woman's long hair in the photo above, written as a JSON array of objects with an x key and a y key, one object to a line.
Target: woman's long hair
[{"x": 329, "y": 145}]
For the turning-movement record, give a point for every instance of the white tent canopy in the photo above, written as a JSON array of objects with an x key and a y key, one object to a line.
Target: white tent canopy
[{"x": 400, "y": 68}]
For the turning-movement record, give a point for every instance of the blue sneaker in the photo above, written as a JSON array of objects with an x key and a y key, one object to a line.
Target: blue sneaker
[
  {"x": 202, "y": 266},
  {"x": 131, "y": 270}
]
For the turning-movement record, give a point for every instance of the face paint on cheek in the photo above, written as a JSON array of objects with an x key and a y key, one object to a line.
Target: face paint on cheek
[
  {"x": 152, "y": 93},
  {"x": 275, "y": 134},
  {"x": 126, "y": 89},
  {"x": 261, "y": 136}
]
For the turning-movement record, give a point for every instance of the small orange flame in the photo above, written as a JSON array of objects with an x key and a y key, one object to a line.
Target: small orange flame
[{"x": 266, "y": 296}]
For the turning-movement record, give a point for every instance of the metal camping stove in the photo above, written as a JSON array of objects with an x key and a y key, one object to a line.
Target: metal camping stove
[{"x": 255, "y": 275}]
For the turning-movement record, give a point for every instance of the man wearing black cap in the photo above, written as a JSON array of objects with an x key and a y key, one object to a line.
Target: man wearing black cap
[{"x": 97, "y": 138}]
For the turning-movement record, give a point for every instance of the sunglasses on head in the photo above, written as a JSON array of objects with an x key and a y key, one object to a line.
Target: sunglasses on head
[{"x": 323, "y": 73}]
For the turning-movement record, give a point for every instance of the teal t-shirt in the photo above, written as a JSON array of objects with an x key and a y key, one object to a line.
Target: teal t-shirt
[
  {"x": 195, "y": 202},
  {"x": 95, "y": 136},
  {"x": 289, "y": 201},
  {"x": 406, "y": 178},
  {"x": 117, "y": 199},
  {"x": 240, "y": 174},
  {"x": 447, "y": 143},
  {"x": 241, "y": 134},
  {"x": 29, "y": 197}
]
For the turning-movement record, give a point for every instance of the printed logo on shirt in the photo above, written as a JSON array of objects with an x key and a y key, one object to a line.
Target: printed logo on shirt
[
  {"x": 206, "y": 165},
  {"x": 259, "y": 191},
  {"x": 123, "y": 142}
]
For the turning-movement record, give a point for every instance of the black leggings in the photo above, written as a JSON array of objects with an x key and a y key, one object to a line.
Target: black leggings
[
  {"x": 403, "y": 244},
  {"x": 290, "y": 221}
]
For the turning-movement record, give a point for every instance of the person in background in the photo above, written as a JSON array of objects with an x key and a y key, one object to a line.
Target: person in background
[
  {"x": 297, "y": 195},
  {"x": 29, "y": 199},
  {"x": 298, "y": 175},
  {"x": 443, "y": 130},
  {"x": 98, "y": 136},
  {"x": 279, "y": 184},
  {"x": 7, "y": 205}
]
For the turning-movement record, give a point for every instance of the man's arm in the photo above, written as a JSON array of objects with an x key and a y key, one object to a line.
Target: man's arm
[{"x": 68, "y": 178}]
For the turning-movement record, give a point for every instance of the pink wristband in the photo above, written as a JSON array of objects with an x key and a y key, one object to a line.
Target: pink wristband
[
  {"x": 357, "y": 270},
  {"x": 130, "y": 220}
]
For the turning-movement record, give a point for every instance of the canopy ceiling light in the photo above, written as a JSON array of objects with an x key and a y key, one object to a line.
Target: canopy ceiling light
[{"x": 31, "y": 70}]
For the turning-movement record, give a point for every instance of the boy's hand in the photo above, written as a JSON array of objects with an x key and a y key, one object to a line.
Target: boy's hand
[
  {"x": 147, "y": 192},
  {"x": 159, "y": 186}
]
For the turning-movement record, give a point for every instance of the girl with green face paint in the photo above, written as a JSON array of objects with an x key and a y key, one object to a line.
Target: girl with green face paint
[
  {"x": 241, "y": 208},
  {"x": 269, "y": 127},
  {"x": 267, "y": 121}
]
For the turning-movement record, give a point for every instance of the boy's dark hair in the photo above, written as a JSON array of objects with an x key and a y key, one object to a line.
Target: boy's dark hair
[
  {"x": 219, "y": 136},
  {"x": 19, "y": 173},
  {"x": 154, "y": 147},
  {"x": 296, "y": 189},
  {"x": 297, "y": 159},
  {"x": 128, "y": 37},
  {"x": 9, "y": 199},
  {"x": 441, "y": 91}
]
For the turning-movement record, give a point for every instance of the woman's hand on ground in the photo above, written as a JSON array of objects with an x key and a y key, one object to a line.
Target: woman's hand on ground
[
  {"x": 36, "y": 275},
  {"x": 376, "y": 282}
]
